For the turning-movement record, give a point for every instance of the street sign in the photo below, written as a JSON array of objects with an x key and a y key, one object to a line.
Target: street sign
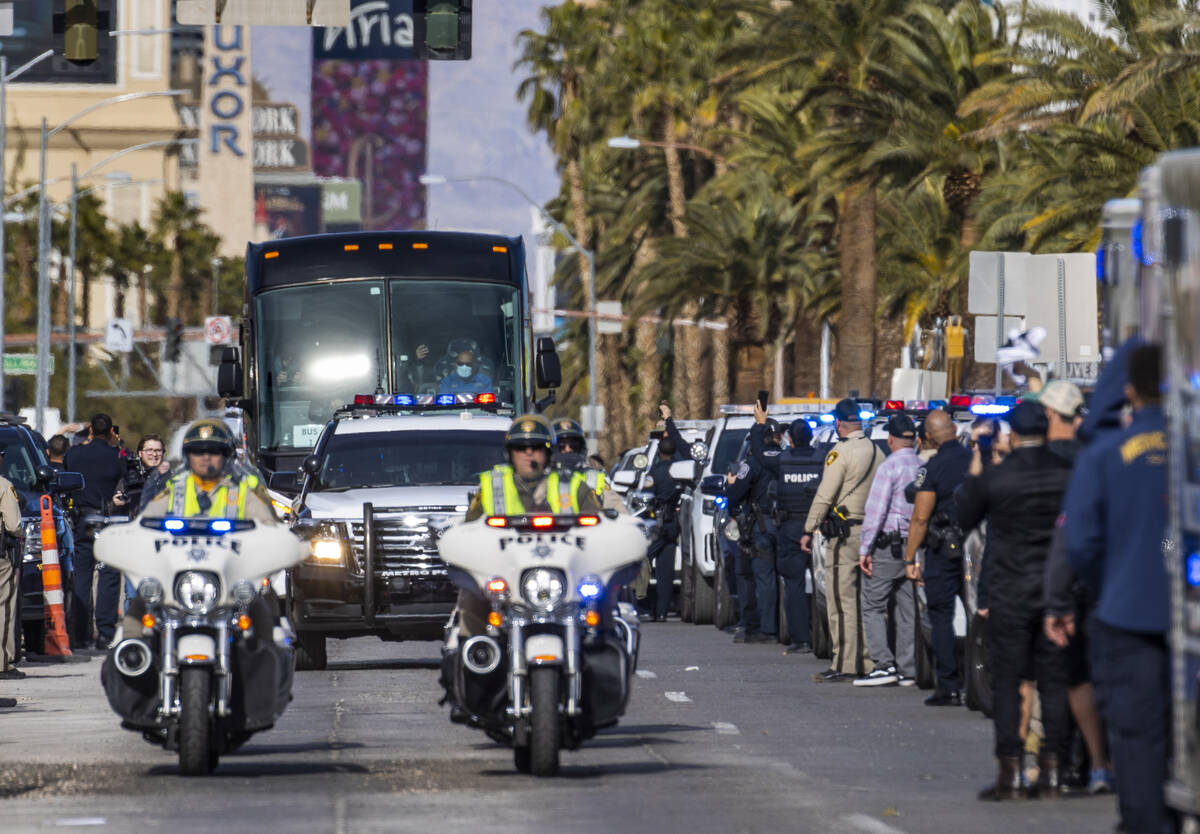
[
  {"x": 23, "y": 363},
  {"x": 985, "y": 335},
  {"x": 218, "y": 330},
  {"x": 1063, "y": 300},
  {"x": 589, "y": 425},
  {"x": 608, "y": 325},
  {"x": 6, "y": 17},
  {"x": 118, "y": 336},
  {"x": 984, "y": 279}
]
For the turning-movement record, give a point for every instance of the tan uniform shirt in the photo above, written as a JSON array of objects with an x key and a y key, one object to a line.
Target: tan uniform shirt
[
  {"x": 849, "y": 469},
  {"x": 10, "y": 507}
]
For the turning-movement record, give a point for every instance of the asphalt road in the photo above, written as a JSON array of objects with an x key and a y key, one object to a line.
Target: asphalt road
[{"x": 718, "y": 738}]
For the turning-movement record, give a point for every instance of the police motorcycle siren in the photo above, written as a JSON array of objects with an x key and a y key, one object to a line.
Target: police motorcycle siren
[
  {"x": 207, "y": 672},
  {"x": 558, "y": 655}
]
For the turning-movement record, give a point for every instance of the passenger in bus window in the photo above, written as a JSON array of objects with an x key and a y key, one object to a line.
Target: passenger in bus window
[{"x": 466, "y": 377}]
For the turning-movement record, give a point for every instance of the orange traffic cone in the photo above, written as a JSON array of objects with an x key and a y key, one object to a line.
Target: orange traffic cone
[{"x": 52, "y": 591}]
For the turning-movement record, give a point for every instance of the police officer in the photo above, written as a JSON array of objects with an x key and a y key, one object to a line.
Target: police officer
[
  {"x": 213, "y": 482},
  {"x": 800, "y": 469},
  {"x": 100, "y": 464},
  {"x": 738, "y": 482},
  {"x": 666, "y": 492},
  {"x": 762, "y": 485},
  {"x": 570, "y": 457},
  {"x": 838, "y": 510},
  {"x": 942, "y": 576},
  {"x": 1116, "y": 518},
  {"x": 526, "y": 484},
  {"x": 10, "y": 580}
]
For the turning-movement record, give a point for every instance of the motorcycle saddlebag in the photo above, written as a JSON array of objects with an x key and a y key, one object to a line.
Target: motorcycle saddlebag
[
  {"x": 262, "y": 683},
  {"x": 483, "y": 695},
  {"x": 605, "y": 681},
  {"x": 136, "y": 700}
]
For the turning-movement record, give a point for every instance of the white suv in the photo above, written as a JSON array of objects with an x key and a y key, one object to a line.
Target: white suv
[{"x": 377, "y": 493}]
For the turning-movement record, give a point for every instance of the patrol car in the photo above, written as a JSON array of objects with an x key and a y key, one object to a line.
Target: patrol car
[{"x": 382, "y": 485}]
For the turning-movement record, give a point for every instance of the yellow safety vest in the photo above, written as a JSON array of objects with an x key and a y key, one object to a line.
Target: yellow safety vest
[
  {"x": 498, "y": 492},
  {"x": 183, "y": 493},
  {"x": 596, "y": 480}
]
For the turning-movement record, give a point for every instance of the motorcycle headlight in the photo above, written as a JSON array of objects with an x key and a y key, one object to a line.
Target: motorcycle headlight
[
  {"x": 150, "y": 590},
  {"x": 543, "y": 588},
  {"x": 197, "y": 592}
]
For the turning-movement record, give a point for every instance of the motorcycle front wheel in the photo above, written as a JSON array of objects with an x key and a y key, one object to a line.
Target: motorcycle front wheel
[
  {"x": 197, "y": 756},
  {"x": 545, "y": 726}
]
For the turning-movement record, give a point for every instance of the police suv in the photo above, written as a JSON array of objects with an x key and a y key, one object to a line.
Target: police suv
[{"x": 384, "y": 482}]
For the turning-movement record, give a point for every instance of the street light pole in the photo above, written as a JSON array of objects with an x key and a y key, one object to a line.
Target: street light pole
[
  {"x": 71, "y": 298},
  {"x": 42, "y": 399},
  {"x": 586, "y": 254}
]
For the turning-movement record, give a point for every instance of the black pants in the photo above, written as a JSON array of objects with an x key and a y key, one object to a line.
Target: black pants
[
  {"x": 1131, "y": 671},
  {"x": 108, "y": 595},
  {"x": 1017, "y": 642},
  {"x": 791, "y": 563},
  {"x": 766, "y": 581},
  {"x": 943, "y": 584},
  {"x": 662, "y": 554},
  {"x": 747, "y": 598}
]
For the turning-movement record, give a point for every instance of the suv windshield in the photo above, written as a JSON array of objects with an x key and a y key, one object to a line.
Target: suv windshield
[
  {"x": 20, "y": 464},
  {"x": 410, "y": 458},
  {"x": 727, "y": 449}
]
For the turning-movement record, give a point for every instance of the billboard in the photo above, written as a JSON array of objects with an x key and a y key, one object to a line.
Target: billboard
[
  {"x": 33, "y": 34},
  {"x": 370, "y": 111},
  {"x": 289, "y": 210}
]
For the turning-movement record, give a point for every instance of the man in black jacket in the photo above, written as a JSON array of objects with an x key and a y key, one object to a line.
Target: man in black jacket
[{"x": 1020, "y": 498}]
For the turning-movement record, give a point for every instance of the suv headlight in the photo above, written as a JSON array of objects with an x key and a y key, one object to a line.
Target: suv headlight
[
  {"x": 197, "y": 591},
  {"x": 32, "y": 531},
  {"x": 543, "y": 588},
  {"x": 325, "y": 550}
]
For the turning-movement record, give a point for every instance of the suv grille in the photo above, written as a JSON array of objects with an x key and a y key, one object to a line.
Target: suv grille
[{"x": 405, "y": 544}]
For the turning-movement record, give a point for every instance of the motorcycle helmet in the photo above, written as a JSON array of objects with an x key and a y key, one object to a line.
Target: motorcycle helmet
[
  {"x": 530, "y": 430},
  {"x": 208, "y": 436},
  {"x": 567, "y": 429}
]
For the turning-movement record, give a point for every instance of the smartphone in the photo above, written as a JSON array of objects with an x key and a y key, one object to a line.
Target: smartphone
[
  {"x": 763, "y": 395},
  {"x": 984, "y": 441}
]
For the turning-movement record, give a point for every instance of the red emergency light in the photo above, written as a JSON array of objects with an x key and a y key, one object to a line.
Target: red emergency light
[
  {"x": 485, "y": 399},
  {"x": 960, "y": 401},
  {"x": 893, "y": 405}
]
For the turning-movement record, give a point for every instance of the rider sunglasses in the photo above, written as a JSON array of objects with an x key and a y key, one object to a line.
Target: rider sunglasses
[{"x": 531, "y": 447}]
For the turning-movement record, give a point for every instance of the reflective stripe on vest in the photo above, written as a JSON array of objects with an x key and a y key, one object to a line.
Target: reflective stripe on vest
[
  {"x": 184, "y": 492},
  {"x": 498, "y": 492},
  {"x": 595, "y": 480}
]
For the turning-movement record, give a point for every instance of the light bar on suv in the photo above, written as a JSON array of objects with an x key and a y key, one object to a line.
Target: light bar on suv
[{"x": 381, "y": 402}]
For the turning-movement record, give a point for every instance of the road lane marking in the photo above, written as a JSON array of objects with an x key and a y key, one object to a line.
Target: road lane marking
[
  {"x": 871, "y": 825},
  {"x": 724, "y": 728},
  {"x": 79, "y": 822},
  {"x": 646, "y": 673},
  {"x": 692, "y": 669},
  {"x": 678, "y": 697}
]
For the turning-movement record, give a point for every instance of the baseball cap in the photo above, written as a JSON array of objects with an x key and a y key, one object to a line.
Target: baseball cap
[
  {"x": 1059, "y": 396},
  {"x": 1028, "y": 419},
  {"x": 801, "y": 432},
  {"x": 901, "y": 425},
  {"x": 847, "y": 411}
]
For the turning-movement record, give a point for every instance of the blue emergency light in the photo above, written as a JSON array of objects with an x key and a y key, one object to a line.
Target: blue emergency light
[
  {"x": 446, "y": 399},
  {"x": 865, "y": 415},
  {"x": 936, "y": 404},
  {"x": 826, "y": 418},
  {"x": 590, "y": 588},
  {"x": 173, "y": 525},
  {"x": 405, "y": 399},
  {"x": 220, "y": 525},
  {"x": 1193, "y": 569},
  {"x": 990, "y": 409}
]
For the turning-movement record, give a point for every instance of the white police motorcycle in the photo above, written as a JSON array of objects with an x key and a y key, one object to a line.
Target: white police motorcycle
[
  {"x": 557, "y": 658},
  {"x": 213, "y": 673}
]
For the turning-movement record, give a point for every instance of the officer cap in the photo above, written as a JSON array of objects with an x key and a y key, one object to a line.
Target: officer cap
[
  {"x": 800, "y": 432},
  {"x": 567, "y": 429},
  {"x": 902, "y": 426},
  {"x": 847, "y": 411},
  {"x": 773, "y": 427},
  {"x": 1028, "y": 419},
  {"x": 530, "y": 430},
  {"x": 208, "y": 435}
]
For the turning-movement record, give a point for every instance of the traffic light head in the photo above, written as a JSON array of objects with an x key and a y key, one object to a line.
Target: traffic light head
[
  {"x": 80, "y": 25},
  {"x": 174, "y": 345},
  {"x": 442, "y": 30}
]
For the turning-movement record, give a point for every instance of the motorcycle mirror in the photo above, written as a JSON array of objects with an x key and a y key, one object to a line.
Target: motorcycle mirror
[{"x": 311, "y": 465}]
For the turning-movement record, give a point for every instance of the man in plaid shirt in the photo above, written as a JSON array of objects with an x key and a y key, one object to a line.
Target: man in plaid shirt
[{"x": 881, "y": 559}]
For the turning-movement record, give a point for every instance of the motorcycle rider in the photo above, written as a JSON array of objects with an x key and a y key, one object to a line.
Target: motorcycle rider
[
  {"x": 571, "y": 457},
  {"x": 213, "y": 484},
  {"x": 526, "y": 484}
]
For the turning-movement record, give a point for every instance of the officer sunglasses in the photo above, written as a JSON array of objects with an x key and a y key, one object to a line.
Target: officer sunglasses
[{"x": 528, "y": 447}]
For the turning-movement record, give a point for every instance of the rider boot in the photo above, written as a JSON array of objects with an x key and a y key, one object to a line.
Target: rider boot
[{"x": 1049, "y": 783}]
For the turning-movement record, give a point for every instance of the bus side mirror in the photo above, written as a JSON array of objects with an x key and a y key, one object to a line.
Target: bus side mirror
[
  {"x": 311, "y": 465},
  {"x": 546, "y": 365},
  {"x": 229, "y": 375}
]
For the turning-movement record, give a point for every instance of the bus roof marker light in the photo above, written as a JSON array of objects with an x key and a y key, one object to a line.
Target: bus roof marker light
[
  {"x": 385, "y": 247},
  {"x": 420, "y": 246},
  {"x": 500, "y": 249},
  {"x": 272, "y": 255},
  {"x": 350, "y": 247}
]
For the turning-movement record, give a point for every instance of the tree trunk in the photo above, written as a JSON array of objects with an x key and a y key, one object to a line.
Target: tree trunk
[
  {"x": 646, "y": 336},
  {"x": 175, "y": 293},
  {"x": 856, "y": 245},
  {"x": 23, "y": 301},
  {"x": 720, "y": 369},
  {"x": 806, "y": 357}
]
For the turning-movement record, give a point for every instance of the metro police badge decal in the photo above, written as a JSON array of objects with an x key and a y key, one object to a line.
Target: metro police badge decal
[{"x": 830, "y": 458}]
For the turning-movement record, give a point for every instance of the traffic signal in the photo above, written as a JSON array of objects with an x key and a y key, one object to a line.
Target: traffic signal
[
  {"x": 442, "y": 30},
  {"x": 174, "y": 340},
  {"x": 80, "y": 25}
]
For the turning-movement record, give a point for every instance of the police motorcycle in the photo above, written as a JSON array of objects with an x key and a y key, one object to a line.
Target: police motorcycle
[
  {"x": 559, "y": 652},
  {"x": 208, "y": 672}
]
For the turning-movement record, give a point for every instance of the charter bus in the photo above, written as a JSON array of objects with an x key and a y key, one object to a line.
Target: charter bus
[{"x": 328, "y": 318}]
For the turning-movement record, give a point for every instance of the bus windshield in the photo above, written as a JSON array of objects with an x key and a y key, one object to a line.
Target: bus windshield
[{"x": 320, "y": 344}]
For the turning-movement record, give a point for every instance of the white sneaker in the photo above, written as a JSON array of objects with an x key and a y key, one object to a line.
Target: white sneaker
[
  {"x": 880, "y": 677},
  {"x": 905, "y": 680}
]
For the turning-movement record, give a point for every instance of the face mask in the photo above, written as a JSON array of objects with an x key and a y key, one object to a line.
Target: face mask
[{"x": 464, "y": 371}]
